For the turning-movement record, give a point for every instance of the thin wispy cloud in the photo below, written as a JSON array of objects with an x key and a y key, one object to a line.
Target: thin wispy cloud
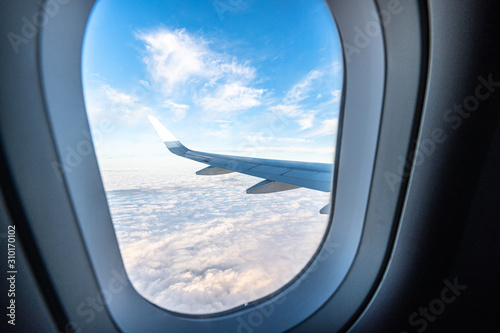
[
  {"x": 292, "y": 105},
  {"x": 144, "y": 83},
  {"x": 336, "y": 94},
  {"x": 337, "y": 67},
  {"x": 117, "y": 97},
  {"x": 222, "y": 132},
  {"x": 326, "y": 127},
  {"x": 175, "y": 110},
  {"x": 231, "y": 97},
  {"x": 261, "y": 138},
  {"x": 304, "y": 118},
  {"x": 301, "y": 101},
  {"x": 119, "y": 107},
  {"x": 301, "y": 90}
]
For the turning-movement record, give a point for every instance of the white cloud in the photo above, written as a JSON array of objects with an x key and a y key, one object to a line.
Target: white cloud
[
  {"x": 306, "y": 120},
  {"x": 293, "y": 106},
  {"x": 223, "y": 132},
  {"x": 106, "y": 102},
  {"x": 175, "y": 58},
  {"x": 240, "y": 71},
  {"x": 260, "y": 137},
  {"x": 195, "y": 244},
  {"x": 303, "y": 118},
  {"x": 134, "y": 113},
  {"x": 178, "y": 111},
  {"x": 287, "y": 109},
  {"x": 336, "y": 67},
  {"x": 327, "y": 127},
  {"x": 301, "y": 90},
  {"x": 231, "y": 97},
  {"x": 337, "y": 94},
  {"x": 117, "y": 97}
]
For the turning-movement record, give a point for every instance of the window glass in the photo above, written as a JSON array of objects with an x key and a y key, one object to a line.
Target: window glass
[{"x": 260, "y": 79}]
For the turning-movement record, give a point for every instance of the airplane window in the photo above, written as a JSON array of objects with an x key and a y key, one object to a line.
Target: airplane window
[{"x": 214, "y": 124}]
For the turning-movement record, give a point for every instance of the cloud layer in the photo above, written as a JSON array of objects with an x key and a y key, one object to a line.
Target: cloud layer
[{"x": 196, "y": 244}]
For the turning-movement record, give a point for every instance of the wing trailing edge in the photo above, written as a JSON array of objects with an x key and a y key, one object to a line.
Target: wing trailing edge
[{"x": 278, "y": 175}]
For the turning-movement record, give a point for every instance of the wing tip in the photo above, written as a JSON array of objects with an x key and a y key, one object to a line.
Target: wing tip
[{"x": 162, "y": 131}]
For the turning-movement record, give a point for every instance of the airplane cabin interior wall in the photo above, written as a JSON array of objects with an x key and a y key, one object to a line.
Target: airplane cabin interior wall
[{"x": 441, "y": 270}]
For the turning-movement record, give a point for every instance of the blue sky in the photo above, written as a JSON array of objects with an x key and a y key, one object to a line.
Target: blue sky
[{"x": 254, "y": 78}]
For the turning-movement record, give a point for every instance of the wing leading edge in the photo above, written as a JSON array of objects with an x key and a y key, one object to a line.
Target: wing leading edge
[{"x": 278, "y": 175}]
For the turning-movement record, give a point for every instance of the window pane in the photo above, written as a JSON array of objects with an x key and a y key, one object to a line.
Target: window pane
[{"x": 260, "y": 79}]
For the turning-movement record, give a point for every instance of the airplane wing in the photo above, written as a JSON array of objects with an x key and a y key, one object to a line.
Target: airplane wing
[{"x": 278, "y": 175}]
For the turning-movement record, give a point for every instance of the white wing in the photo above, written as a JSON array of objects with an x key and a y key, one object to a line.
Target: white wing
[{"x": 278, "y": 175}]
